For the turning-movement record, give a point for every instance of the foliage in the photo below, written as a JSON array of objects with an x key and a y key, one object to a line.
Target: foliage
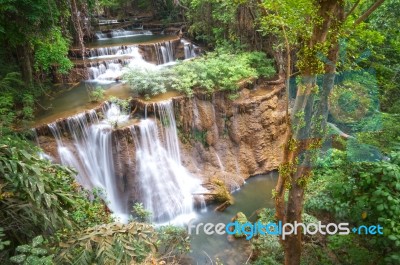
[
  {"x": 383, "y": 47},
  {"x": 34, "y": 191},
  {"x": 172, "y": 240},
  {"x": 219, "y": 70},
  {"x": 124, "y": 104},
  {"x": 266, "y": 247},
  {"x": 222, "y": 21},
  {"x": 115, "y": 243},
  {"x": 33, "y": 254},
  {"x": 3, "y": 243},
  {"x": 51, "y": 52},
  {"x": 142, "y": 214},
  {"x": 350, "y": 251},
  {"x": 352, "y": 101},
  {"x": 147, "y": 82},
  {"x": 96, "y": 95},
  {"x": 112, "y": 243},
  {"x": 13, "y": 94},
  {"x": 27, "y": 27},
  {"x": 370, "y": 197},
  {"x": 383, "y": 131},
  {"x": 38, "y": 197}
]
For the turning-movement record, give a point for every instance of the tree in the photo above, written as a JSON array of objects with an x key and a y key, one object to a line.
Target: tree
[{"x": 316, "y": 33}]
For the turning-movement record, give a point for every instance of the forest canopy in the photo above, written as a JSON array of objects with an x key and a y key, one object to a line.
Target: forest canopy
[{"x": 339, "y": 61}]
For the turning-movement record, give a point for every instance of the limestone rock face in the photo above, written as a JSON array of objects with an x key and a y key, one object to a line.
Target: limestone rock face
[
  {"x": 242, "y": 138},
  {"x": 219, "y": 138}
]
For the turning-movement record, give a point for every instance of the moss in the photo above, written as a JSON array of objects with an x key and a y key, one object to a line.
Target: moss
[{"x": 221, "y": 192}]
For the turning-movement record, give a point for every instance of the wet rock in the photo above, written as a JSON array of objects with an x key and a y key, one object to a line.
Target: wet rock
[{"x": 246, "y": 136}]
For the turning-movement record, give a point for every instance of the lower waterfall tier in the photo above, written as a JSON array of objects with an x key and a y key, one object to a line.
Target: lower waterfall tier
[{"x": 169, "y": 155}]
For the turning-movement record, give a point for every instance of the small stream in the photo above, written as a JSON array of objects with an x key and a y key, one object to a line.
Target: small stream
[{"x": 255, "y": 194}]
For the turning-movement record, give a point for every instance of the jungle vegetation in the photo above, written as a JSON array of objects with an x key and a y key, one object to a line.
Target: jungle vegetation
[{"x": 340, "y": 60}]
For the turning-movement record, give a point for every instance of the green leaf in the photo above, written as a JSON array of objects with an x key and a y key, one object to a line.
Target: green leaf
[
  {"x": 23, "y": 248},
  {"x": 18, "y": 258},
  {"x": 37, "y": 241}
]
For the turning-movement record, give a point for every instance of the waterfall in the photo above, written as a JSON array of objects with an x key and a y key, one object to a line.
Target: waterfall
[
  {"x": 166, "y": 189},
  {"x": 164, "y": 52},
  {"x": 166, "y": 186},
  {"x": 111, "y": 70},
  {"x": 120, "y": 33},
  {"x": 107, "y": 64},
  {"x": 94, "y": 160},
  {"x": 189, "y": 49}
]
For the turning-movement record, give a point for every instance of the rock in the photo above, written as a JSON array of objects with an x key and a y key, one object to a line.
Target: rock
[
  {"x": 247, "y": 134},
  {"x": 222, "y": 207}
]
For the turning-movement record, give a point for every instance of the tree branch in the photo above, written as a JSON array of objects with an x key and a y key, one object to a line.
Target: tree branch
[
  {"x": 352, "y": 9},
  {"x": 364, "y": 16}
]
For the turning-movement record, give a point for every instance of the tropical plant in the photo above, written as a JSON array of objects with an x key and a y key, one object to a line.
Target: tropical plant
[
  {"x": 141, "y": 213},
  {"x": 38, "y": 197},
  {"x": 51, "y": 53},
  {"x": 33, "y": 254},
  {"x": 116, "y": 243},
  {"x": 3, "y": 243},
  {"x": 370, "y": 197},
  {"x": 96, "y": 94}
]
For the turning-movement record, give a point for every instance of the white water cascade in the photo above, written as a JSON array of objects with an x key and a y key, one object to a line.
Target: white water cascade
[
  {"x": 189, "y": 49},
  {"x": 94, "y": 156},
  {"x": 106, "y": 72},
  {"x": 167, "y": 188},
  {"x": 122, "y": 34},
  {"x": 164, "y": 52}
]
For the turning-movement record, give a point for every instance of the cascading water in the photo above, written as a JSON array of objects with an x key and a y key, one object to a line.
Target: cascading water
[
  {"x": 166, "y": 186},
  {"x": 94, "y": 153},
  {"x": 189, "y": 49},
  {"x": 164, "y": 52},
  {"x": 109, "y": 71},
  {"x": 121, "y": 34},
  {"x": 167, "y": 189}
]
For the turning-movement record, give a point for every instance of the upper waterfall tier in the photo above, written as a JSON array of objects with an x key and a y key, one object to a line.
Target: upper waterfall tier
[
  {"x": 121, "y": 34},
  {"x": 104, "y": 60}
]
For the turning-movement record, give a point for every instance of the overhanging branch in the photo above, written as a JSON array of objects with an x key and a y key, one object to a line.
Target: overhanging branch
[{"x": 364, "y": 16}]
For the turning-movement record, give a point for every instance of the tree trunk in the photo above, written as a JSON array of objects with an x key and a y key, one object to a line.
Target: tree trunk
[
  {"x": 26, "y": 64},
  {"x": 307, "y": 125},
  {"x": 297, "y": 154}
]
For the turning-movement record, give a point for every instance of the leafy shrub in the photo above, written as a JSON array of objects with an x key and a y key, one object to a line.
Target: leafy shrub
[
  {"x": 124, "y": 104},
  {"x": 112, "y": 243},
  {"x": 267, "y": 248},
  {"x": 147, "y": 82},
  {"x": 96, "y": 94},
  {"x": 141, "y": 213},
  {"x": 363, "y": 194},
  {"x": 33, "y": 254},
  {"x": 219, "y": 70},
  {"x": 52, "y": 51},
  {"x": 115, "y": 243},
  {"x": 37, "y": 197},
  {"x": 16, "y": 101}
]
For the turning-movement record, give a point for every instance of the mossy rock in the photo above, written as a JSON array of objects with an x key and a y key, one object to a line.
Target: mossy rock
[{"x": 221, "y": 192}]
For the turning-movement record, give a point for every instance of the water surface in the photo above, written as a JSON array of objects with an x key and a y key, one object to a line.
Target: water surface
[{"x": 254, "y": 195}]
